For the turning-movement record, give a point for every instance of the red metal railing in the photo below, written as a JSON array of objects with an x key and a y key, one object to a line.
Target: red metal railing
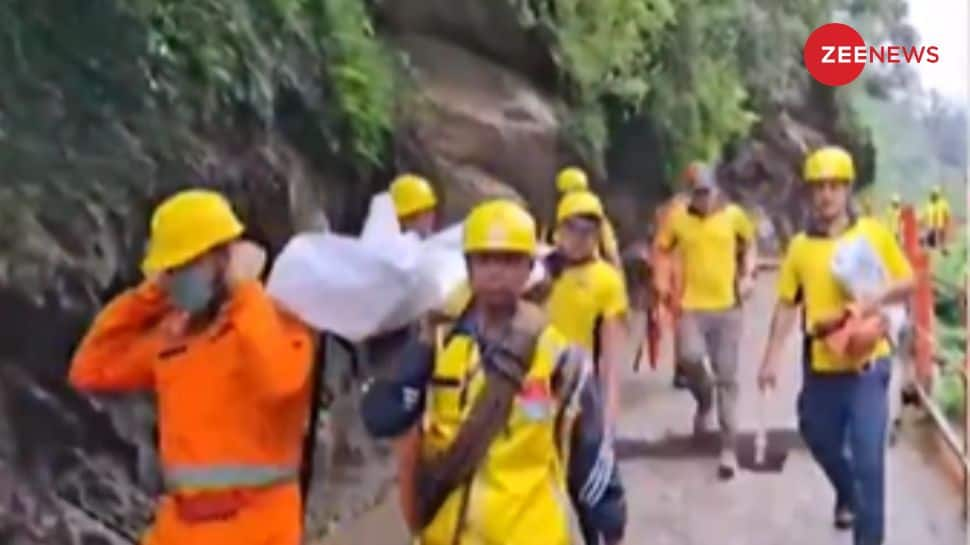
[
  {"x": 924, "y": 353},
  {"x": 922, "y": 304}
]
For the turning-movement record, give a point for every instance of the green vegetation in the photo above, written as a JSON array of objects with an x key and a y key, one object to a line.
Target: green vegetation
[
  {"x": 96, "y": 90},
  {"x": 605, "y": 50},
  {"x": 361, "y": 73},
  {"x": 662, "y": 56},
  {"x": 701, "y": 98},
  {"x": 249, "y": 52},
  {"x": 951, "y": 334},
  {"x": 705, "y": 70}
]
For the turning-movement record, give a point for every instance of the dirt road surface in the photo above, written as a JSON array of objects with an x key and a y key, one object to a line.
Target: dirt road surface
[{"x": 675, "y": 498}]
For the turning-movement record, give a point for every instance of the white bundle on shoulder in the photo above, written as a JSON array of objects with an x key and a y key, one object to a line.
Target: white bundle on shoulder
[
  {"x": 360, "y": 287},
  {"x": 861, "y": 273}
]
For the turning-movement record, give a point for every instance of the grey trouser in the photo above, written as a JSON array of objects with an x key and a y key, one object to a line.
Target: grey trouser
[{"x": 712, "y": 336}]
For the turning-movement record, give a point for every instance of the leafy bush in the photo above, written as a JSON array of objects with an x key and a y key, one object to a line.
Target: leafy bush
[
  {"x": 703, "y": 69},
  {"x": 951, "y": 333},
  {"x": 248, "y": 51},
  {"x": 950, "y": 393},
  {"x": 604, "y": 49},
  {"x": 361, "y": 72}
]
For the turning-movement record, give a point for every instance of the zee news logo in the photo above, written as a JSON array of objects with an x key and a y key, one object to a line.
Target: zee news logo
[
  {"x": 835, "y": 54},
  {"x": 892, "y": 54}
]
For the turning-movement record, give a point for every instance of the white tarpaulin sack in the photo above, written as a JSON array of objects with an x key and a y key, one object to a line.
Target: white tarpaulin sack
[
  {"x": 861, "y": 273},
  {"x": 357, "y": 288},
  {"x": 444, "y": 261}
]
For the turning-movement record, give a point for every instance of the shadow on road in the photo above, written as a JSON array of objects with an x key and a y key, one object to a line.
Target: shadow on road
[{"x": 687, "y": 446}]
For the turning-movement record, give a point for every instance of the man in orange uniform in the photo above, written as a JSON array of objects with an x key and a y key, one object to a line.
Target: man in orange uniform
[{"x": 230, "y": 370}]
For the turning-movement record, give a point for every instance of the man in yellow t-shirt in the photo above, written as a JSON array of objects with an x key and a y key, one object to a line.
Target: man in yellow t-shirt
[
  {"x": 668, "y": 266},
  {"x": 843, "y": 407},
  {"x": 710, "y": 235},
  {"x": 588, "y": 299},
  {"x": 936, "y": 218}
]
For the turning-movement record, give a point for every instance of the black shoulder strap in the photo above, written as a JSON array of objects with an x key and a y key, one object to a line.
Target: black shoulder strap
[{"x": 507, "y": 362}]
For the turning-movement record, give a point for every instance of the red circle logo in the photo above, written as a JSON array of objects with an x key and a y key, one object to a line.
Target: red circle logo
[{"x": 830, "y": 54}]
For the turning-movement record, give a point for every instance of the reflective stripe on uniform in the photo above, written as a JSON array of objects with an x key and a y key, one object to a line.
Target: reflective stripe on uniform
[{"x": 227, "y": 476}]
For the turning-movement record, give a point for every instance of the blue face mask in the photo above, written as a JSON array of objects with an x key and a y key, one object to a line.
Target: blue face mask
[{"x": 191, "y": 289}]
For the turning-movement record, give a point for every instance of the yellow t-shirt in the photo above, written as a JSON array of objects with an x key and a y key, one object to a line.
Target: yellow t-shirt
[
  {"x": 581, "y": 295},
  {"x": 894, "y": 220},
  {"x": 805, "y": 276},
  {"x": 708, "y": 247},
  {"x": 937, "y": 214},
  {"x": 677, "y": 205}
]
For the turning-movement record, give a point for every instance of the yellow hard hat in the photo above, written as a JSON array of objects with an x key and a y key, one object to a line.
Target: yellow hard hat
[
  {"x": 936, "y": 191},
  {"x": 499, "y": 226},
  {"x": 571, "y": 179},
  {"x": 579, "y": 203},
  {"x": 187, "y": 225},
  {"x": 896, "y": 198},
  {"x": 412, "y": 194},
  {"x": 829, "y": 163}
]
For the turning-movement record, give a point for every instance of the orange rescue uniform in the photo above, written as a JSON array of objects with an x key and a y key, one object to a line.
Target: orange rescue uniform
[
  {"x": 668, "y": 268},
  {"x": 233, "y": 401}
]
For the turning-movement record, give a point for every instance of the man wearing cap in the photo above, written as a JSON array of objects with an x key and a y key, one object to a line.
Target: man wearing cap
[
  {"x": 709, "y": 236},
  {"x": 667, "y": 265},
  {"x": 843, "y": 406}
]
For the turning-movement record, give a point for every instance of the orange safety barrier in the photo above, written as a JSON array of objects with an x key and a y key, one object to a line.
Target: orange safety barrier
[
  {"x": 924, "y": 357},
  {"x": 922, "y": 301}
]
